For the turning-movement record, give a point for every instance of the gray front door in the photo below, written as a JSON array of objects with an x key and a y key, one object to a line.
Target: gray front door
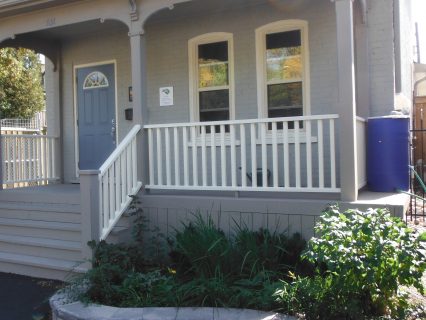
[{"x": 96, "y": 115}]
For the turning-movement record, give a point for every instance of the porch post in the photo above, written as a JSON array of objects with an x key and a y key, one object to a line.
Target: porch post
[
  {"x": 346, "y": 101},
  {"x": 140, "y": 110},
  {"x": 90, "y": 214}
]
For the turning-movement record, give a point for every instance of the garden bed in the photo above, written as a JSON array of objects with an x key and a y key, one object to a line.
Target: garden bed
[{"x": 352, "y": 271}]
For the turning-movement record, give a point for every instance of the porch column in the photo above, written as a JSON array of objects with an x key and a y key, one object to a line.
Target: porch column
[
  {"x": 140, "y": 109},
  {"x": 346, "y": 101}
]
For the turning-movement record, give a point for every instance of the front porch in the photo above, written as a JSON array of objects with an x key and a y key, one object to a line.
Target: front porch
[{"x": 238, "y": 155}]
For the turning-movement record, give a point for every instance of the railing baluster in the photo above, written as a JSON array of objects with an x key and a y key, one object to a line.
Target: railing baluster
[
  {"x": 129, "y": 169},
  {"x": 253, "y": 155},
  {"x": 308, "y": 153},
  {"x": 297, "y": 153},
  {"x": 117, "y": 186},
  {"x": 223, "y": 155},
  {"x": 151, "y": 157},
  {"x": 264, "y": 155},
  {"x": 185, "y": 156},
  {"x": 134, "y": 164},
  {"x": 286, "y": 151},
  {"x": 25, "y": 159},
  {"x": 204, "y": 155},
  {"x": 159, "y": 158},
  {"x": 194, "y": 157},
  {"x": 177, "y": 155},
  {"x": 320, "y": 154},
  {"x": 332, "y": 155},
  {"x": 168, "y": 164},
  {"x": 123, "y": 162},
  {"x": 14, "y": 178},
  {"x": 111, "y": 192},
  {"x": 233, "y": 157},
  {"x": 275, "y": 173},
  {"x": 105, "y": 208},
  {"x": 213, "y": 155},
  {"x": 243, "y": 155}
]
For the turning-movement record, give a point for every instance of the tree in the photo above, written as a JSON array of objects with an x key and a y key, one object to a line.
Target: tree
[{"x": 21, "y": 88}]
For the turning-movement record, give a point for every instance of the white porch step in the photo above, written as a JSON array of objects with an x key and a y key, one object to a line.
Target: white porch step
[
  {"x": 41, "y": 247},
  {"x": 38, "y": 228},
  {"x": 40, "y": 231},
  {"x": 39, "y": 267}
]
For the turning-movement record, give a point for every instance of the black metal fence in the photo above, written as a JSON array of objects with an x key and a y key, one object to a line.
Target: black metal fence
[{"x": 418, "y": 172}]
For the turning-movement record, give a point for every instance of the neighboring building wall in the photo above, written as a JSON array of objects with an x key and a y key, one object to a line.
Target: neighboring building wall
[
  {"x": 404, "y": 85},
  {"x": 91, "y": 49},
  {"x": 421, "y": 87},
  {"x": 167, "y": 41},
  {"x": 382, "y": 62}
]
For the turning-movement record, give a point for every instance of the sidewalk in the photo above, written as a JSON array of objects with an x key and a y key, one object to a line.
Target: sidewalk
[{"x": 23, "y": 298}]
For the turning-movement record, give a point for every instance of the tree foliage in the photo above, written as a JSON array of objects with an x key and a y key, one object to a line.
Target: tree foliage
[{"x": 21, "y": 89}]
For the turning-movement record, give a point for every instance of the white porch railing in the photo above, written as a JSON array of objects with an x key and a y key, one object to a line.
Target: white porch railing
[
  {"x": 361, "y": 131},
  {"x": 29, "y": 158},
  {"x": 293, "y": 154},
  {"x": 118, "y": 181}
]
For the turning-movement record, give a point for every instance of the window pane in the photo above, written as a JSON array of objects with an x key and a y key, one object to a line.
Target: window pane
[
  {"x": 283, "y": 55},
  {"x": 213, "y": 64},
  {"x": 285, "y": 95},
  {"x": 217, "y": 100}
]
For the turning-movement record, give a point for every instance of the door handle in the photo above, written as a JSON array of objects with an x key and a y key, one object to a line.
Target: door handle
[{"x": 113, "y": 130}]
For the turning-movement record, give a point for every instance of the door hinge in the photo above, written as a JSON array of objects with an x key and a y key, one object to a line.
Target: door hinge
[{"x": 77, "y": 123}]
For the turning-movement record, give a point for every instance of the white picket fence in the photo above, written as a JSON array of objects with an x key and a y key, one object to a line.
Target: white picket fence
[
  {"x": 293, "y": 154},
  {"x": 29, "y": 158}
]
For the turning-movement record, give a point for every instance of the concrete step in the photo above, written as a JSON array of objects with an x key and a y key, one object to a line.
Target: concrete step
[
  {"x": 33, "y": 266},
  {"x": 38, "y": 211},
  {"x": 41, "y": 247},
  {"x": 38, "y": 228}
]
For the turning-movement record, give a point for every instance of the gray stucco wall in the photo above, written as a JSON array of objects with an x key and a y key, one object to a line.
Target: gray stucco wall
[
  {"x": 86, "y": 50},
  {"x": 168, "y": 55}
]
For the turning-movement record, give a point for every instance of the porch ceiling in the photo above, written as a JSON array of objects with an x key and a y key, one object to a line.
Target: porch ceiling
[{"x": 191, "y": 8}]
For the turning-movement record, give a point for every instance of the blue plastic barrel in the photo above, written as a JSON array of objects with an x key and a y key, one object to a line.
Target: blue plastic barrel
[{"x": 388, "y": 154}]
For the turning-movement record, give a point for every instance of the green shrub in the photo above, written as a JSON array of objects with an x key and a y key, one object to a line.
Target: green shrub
[
  {"x": 201, "y": 249},
  {"x": 362, "y": 259},
  {"x": 261, "y": 250}
]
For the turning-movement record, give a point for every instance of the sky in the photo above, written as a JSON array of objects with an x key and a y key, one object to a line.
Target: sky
[{"x": 419, "y": 15}]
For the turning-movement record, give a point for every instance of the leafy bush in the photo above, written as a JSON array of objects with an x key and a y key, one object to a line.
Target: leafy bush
[{"x": 362, "y": 259}]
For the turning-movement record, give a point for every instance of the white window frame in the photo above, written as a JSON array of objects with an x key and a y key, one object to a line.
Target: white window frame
[
  {"x": 261, "y": 33},
  {"x": 193, "y": 44}
]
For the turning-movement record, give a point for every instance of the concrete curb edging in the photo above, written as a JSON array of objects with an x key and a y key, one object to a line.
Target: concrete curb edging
[{"x": 63, "y": 309}]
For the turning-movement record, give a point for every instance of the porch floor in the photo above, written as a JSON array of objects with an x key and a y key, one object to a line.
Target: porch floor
[{"x": 397, "y": 203}]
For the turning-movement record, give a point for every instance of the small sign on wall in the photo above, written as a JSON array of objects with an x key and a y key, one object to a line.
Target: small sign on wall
[{"x": 166, "y": 96}]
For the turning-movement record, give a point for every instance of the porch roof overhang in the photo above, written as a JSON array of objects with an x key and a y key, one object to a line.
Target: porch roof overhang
[{"x": 11, "y": 7}]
